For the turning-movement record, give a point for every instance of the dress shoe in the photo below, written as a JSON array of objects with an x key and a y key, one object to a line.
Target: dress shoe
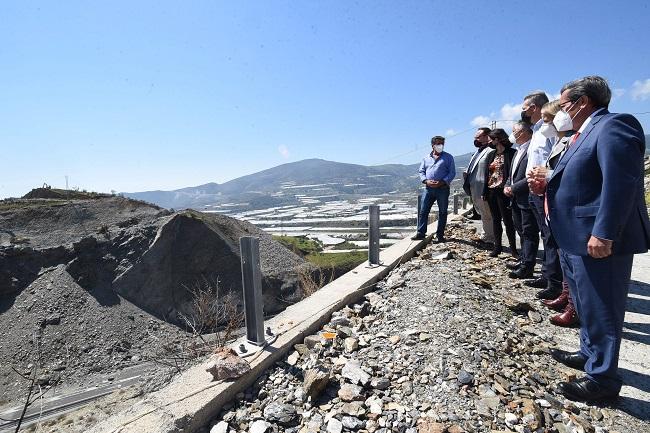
[
  {"x": 571, "y": 359},
  {"x": 513, "y": 265},
  {"x": 538, "y": 283},
  {"x": 585, "y": 389},
  {"x": 558, "y": 303},
  {"x": 550, "y": 292},
  {"x": 418, "y": 237},
  {"x": 495, "y": 252},
  {"x": 440, "y": 240},
  {"x": 521, "y": 273},
  {"x": 567, "y": 318}
]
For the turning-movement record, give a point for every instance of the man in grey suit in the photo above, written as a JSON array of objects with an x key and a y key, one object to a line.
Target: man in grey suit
[{"x": 474, "y": 181}]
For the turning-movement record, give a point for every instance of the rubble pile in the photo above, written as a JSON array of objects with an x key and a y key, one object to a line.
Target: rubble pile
[{"x": 445, "y": 344}]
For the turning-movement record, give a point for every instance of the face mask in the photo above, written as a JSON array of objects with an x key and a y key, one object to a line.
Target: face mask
[
  {"x": 438, "y": 148},
  {"x": 512, "y": 138},
  {"x": 493, "y": 145},
  {"x": 563, "y": 120},
  {"x": 525, "y": 117},
  {"x": 478, "y": 144},
  {"x": 548, "y": 130}
]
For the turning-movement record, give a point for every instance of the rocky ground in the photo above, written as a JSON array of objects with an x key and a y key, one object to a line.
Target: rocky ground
[{"x": 447, "y": 343}]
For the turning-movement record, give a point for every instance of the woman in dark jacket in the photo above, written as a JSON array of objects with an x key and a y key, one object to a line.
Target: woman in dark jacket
[{"x": 496, "y": 175}]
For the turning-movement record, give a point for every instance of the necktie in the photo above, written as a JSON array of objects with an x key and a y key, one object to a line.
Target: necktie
[{"x": 574, "y": 139}]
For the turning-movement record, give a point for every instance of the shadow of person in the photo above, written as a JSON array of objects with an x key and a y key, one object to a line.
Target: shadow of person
[
  {"x": 635, "y": 407},
  {"x": 639, "y": 332}
]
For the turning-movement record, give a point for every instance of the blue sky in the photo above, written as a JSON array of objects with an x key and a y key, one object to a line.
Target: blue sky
[{"x": 133, "y": 96}]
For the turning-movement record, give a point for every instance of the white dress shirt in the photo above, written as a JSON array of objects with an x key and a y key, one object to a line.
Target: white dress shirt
[
  {"x": 539, "y": 148},
  {"x": 523, "y": 148}
]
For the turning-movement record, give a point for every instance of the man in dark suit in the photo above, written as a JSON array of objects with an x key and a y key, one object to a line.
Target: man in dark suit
[
  {"x": 599, "y": 218},
  {"x": 522, "y": 215}
]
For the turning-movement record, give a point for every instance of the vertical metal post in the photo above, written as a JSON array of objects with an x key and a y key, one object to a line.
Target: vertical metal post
[
  {"x": 252, "y": 282},
  {"x": 373, "y": 234},
  {"x": 456, "y": 203}
]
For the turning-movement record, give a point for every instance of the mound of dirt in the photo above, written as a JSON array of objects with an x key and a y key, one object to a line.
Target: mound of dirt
[{"x": 96, "y": 284}]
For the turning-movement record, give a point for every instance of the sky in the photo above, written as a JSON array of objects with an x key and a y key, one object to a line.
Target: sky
[{"x": 144, "y": 95}]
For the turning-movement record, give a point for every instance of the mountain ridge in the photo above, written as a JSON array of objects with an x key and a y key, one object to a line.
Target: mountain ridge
[{"x": 273, "y": 186}]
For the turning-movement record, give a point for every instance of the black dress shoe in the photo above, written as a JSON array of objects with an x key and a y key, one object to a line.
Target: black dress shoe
[
  {"x": 538, "y": 283},
  {"x": 585, "y": 389},
  {"x": 418, "y": 237},
  {"x": 571, "y": 359},
  {"x": 440, "y": 240},
  {"x": 550, "y": 292},
  {"x": 513, "y": 265},
  {"x": 521, "y": 273}
]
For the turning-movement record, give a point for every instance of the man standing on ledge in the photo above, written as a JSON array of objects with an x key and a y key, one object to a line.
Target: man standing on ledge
[
  {"x": 599, "y": 219},
  {"x": 437, "y": 170}
]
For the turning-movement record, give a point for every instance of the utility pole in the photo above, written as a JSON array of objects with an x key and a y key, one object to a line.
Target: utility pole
[
  {"x": 493, "y": 124},
  {"x": 66, "y": 181}
]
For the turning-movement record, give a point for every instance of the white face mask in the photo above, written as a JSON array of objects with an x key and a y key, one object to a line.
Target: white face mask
[
  {"x": 548, "y": 130},
  {"x": 438, "y": 148},
  {"x": 563, "y": 121},
  {"x": 512, "y": 138}
]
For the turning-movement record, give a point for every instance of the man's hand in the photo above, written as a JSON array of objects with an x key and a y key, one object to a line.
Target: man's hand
[
  {"x": 508, "y": 191},
  {"x": 433, "y": 183},
  {"x": 537, "y": 180},
  {"x": 599, "y": 248}
]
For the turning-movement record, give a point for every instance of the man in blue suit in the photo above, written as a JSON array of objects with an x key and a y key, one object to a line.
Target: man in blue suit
[{"x": 599, "y": 219}]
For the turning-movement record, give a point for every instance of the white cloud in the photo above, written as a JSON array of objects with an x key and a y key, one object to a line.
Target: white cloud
[
  {"x": 450, "y": 132},
  {"x": 640, "y": 90},
  {"x": 617, "y": 93},
  {"x": 510, "y": 112},
  {"x": 479, "y": 121},
  {"x": 283, "y": 151}
]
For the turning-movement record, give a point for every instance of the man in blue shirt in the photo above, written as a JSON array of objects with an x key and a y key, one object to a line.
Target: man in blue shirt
[{"x": 437, "y": 170}]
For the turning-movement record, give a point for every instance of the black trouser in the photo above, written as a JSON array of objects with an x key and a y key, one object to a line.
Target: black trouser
[
  {"x": 499, "y": 207},
  {"x": 551, "y": 269},
  {"x": 526, "y": 226}
]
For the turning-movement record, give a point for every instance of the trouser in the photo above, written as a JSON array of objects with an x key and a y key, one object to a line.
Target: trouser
[
  {"x": 599, "y": 289},
  {"x": 429, "y": 197},
  {"x": 526, "y": 225},
  {"x": 551, "y": 269},
  {"x": 483, "y": 209},
  {"x": 499, "y": 206}
]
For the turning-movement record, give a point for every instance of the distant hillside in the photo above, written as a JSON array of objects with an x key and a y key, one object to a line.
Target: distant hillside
[{"x": 280, "y": 185}]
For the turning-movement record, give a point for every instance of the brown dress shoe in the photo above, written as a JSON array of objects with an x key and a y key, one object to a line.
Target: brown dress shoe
[
  {"x": 558, "y": 303},
  {"x": 567, "y": 318}
]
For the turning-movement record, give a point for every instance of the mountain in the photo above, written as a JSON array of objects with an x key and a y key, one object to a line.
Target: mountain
[{"x": 282, "y": 184}]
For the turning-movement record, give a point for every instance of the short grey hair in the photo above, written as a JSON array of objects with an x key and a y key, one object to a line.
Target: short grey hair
[
  {"x": 538, "y": 97},
  {"x": 524, "y": 126},
  {"x": 593, "y": 87}
]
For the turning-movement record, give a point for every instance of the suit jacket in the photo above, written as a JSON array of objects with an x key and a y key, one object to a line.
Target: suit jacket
[
  {"x": 597, "y": 188},
  {"x": 508, "y": 156},
  {"x": 475, "y": 181},
  {"x": 519, "y": 183}
]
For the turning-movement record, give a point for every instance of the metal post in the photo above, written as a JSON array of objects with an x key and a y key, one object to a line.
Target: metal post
[
  {"x": 456, "y": 203},
  {"x": 252, "y": 282},
  {"x": 373, "y": 234}
]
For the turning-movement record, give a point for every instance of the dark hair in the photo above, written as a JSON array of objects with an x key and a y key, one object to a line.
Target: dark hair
[
  {"x": 437, "y": 137},
  {"x": 593, "y": 87},
  {"x": 485, "y": 130},
  {"x": 537, "y": 97},
  {"x": 500, "y": 136}
]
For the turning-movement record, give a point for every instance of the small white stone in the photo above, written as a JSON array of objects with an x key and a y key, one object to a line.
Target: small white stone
[
  {"x": 220, "y": 427},
  {"x": 334, "y": 426}
]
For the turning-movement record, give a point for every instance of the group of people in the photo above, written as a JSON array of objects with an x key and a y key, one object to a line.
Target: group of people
[{"x": 571, "y": 173}]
